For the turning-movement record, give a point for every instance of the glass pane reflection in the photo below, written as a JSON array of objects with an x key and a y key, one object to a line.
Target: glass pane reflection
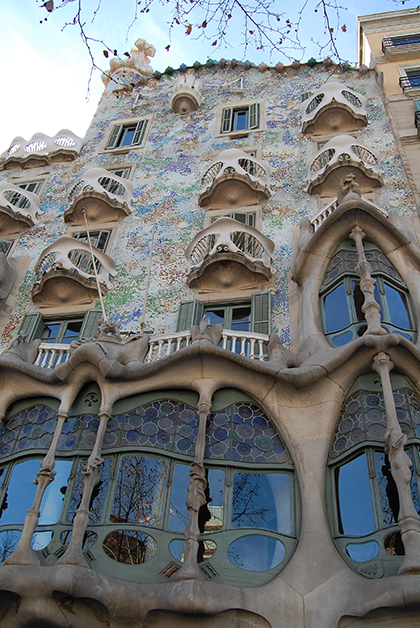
[
  {"x": 262, "y": 500},
  {"x": 98, "y": 494},
  {"x": 215, "y": 497},
  {"x": 397, "y": 306},
  {"x": 363, "y": 551},
  {"x": 256, "y": 553},
  {"x": 54, "y": 493},
  {"x": 178, "y": 513},
  {"x": 20, "y": 492},
  {"x": 354, "y": 497},
  {"x": 387, "y": 489},
  {"x": 139, "y": 491},
  {"x": 129, "y": 547},
  {"x": 8, "y": 542},
  {"x": 336, "y": 310}
]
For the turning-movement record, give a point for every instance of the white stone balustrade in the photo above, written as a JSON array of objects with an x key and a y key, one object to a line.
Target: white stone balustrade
[
  {"x": 65, "y": 145},
  {"x": 346, "y": 153},
  {"x": 19, "y": 203},
  {"x": 103, "y": 194},
  {"x": 69, "y": 254},
  {"x": 227, "y": 235},
  {"x": 186, "y": 94},
  {"x": 326, "y": 100},
  {"x": 248, "y": 344},
  {"x": 330, "y": 208},
  {"x": 235, "y": 178}
]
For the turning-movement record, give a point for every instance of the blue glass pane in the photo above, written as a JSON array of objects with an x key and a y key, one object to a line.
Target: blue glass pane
[
  {"x": 216, "y": 487},
  {"x": 178, "y": 513},
  {"x": 240, "y": 120},
  {"x": 363, "y": 551},
  {"x": 342, "y": 339},
  {"x": 336, "y": 310},
  {"x": 397, "y": 306},
  {"x": 52, "y": 501},
  {"x": 41, "y": 540},
  {"x": 8, "y": 542},
  {"x": 177, "y": 549},
  {"x": 20, "y": 492},
  {"x": 355, "y": 501},
  {"x": 256, "y": 553},
  {"x": 262, "y": 500},
  {"x": 127, "y": 136}
]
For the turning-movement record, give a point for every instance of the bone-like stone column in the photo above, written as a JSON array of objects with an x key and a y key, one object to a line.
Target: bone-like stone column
[
  {"x": 370, "y": 308},
  {"x": 91, "y": 476},
  {"x": 24, "y": 554},
  {"x": 196, "y": 499},
  {"x": 408, "y": 519}
]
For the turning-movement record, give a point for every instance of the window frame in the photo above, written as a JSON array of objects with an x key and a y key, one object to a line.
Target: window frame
[
  {"x": 117, "y": 130},
  {"x": 227, "y": 112},
  {"x": 411, "y": 91}
]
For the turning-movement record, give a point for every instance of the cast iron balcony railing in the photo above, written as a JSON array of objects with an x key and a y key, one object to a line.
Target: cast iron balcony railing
[
  {"x": 333, "y": 107},
  {"x": 348, "y": 155},
  {"x": 410, "y": 82},
  {"x": 103, "y": 194},
  {"x": 19, "y": 208},
  {"x": 235, "y": 179},
  {"x": 42, "y": 149},
  {"x": 68, "y": 263}
]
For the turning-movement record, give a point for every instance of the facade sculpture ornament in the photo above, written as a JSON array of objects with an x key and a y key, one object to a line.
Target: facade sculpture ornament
[
  {"x": 139, "y": 61},
  {"x": 350, "y": 189}
]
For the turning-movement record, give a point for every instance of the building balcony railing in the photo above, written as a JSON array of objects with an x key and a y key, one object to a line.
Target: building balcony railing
[
  {"x": 331, "y": 108},
  {"x": 235, "y": 179},
  {"x": 330, "y": 208},
  {"x": 248, "y": 344},
  {"x": 410, "y": 83},
  {"x": 19, "y": 209},
  {"x": 338, "y": 157},
  {"x": 104, "y": 195},
  {"x": 65, "y": 273},
  {"x": 41, "y": 150},
  {"x": 401, "y": 46},
  {"x": 225, "y": 240}
]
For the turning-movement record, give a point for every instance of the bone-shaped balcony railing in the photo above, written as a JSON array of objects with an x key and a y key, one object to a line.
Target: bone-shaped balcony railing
[
  {"x": 19, "y": 201},
  {"x": 64, "y": 141},
  {"x": 331, "y": 95}
]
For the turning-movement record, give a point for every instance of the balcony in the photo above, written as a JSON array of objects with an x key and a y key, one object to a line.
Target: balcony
[
  {"x": 64, "y": 274},
  {"x": 229, "y": 255},
  {"x": 41, "y": 150},
  {"x": 245, "y": 343},
  {"x": 186, "y": 94},
  {"x": 19, "y": 209},
  {"x": 401, "y": 47},
  {"x": 105, "y": 196},
  {"x": 332, "y": 108},
  {"x": 410, "y": 84},
  {"x": 235, "y": 179},
  {"x": 341, "y": 156},
  {"x": 326, "y": 211}
]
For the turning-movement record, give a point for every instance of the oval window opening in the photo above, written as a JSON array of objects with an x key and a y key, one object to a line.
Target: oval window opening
[
  {"x": 256, "y": 552},
  {"x": 361, "y": 552},
  {"x": 129, "y": 547}
]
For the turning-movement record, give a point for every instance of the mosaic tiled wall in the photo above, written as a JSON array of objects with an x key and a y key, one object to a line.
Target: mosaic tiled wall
[{"x": 167, "y": 181}]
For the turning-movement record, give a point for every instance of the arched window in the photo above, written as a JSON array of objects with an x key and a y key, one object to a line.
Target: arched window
[
  {"x": 363, "y": 497},
  {"x": 138, "y": 510},
  {"x": 341, "y": 297}
]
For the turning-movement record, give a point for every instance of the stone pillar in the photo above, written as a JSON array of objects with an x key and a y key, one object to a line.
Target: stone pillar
[
  {"x": 408, "y": 519},
  {"x": 196, "y": 499},
  {"x": 24, "y": 554},
  {"x": 370, "y": 308},
  {"x": 91, "y": 476}
]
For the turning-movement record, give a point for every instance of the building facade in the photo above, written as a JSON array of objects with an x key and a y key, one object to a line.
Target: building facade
[{"x": 210, "y": 377}]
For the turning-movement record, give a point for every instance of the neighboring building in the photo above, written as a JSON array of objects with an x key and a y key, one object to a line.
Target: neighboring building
[
  {"x": 232, "y": 446},
  {"x": 390, "y": 42}
]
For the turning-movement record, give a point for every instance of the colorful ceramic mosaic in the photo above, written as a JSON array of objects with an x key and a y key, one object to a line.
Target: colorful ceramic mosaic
[
  {"x": 29, "y": 429},
  {"x": 243, "y": 433},
  {"x": 363, "y": 419}
]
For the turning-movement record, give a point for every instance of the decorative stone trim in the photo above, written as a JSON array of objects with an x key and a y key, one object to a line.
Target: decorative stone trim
[{"x": 41, "y": 150}]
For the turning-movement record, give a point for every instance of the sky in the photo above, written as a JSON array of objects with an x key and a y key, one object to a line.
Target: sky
[{"x": 52, "y": 65}]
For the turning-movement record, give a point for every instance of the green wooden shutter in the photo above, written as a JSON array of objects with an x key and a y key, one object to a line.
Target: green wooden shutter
[
  {"x": 32, "y": 325},
  {"x": 90, "y": 324},
  {"x": 190, "y": 313},
  {"x": 261, "y": 312},
  {"x": 139, "y": 133},
  {"x": 227, "y": 118},
  {"x": 417, "y": 104},
  {"x": 254, "y": 116},
  {"x": 114, "y": 137}
]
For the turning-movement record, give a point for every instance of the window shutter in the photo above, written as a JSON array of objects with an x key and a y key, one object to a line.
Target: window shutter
[
  {"x": 90, "y": 324},
  {"x": 139, "y": 133},
  {"x": 114, "y": 137},
  {"x": 32, "y": 325},
  {"x": 261, "y": 312},
  {"x": 190, "y": 313},
  {"x": 227, "y": 120},
  {"x": 254, "y": 116},
  {"x": 417, "y": 104}
]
